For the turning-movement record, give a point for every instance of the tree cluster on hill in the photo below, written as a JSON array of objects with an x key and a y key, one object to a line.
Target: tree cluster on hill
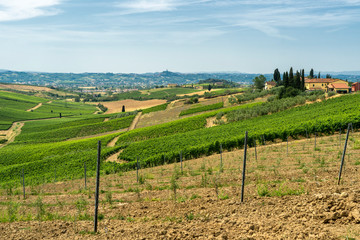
[
  {"x": 219, "y": 83},
  {"x": 293, "y": 83},
  {"x": 259, "y": 82}
]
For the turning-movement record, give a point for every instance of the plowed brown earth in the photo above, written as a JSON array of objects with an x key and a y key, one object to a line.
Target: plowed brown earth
[{"x": 287, "y": 196}]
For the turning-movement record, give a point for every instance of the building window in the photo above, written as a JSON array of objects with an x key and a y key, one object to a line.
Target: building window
[
  {"x": 322, "y": 84},
  {"x": 313, "y": 85}
]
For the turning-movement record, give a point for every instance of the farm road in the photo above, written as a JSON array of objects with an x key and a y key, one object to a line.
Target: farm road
[
  {"x": 33, "y": 108},
  {"x": 132, "y": 126},
  {"x": 135, "y": 122}
]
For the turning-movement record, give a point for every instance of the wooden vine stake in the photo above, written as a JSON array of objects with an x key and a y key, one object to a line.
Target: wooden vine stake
[
  {"x": 181, "y": 162},
  {"x": 344, "y": 152},
  {"x": 340, "y": 138},
  {"x": 97, "y": 187},
  {"x": 287, "y": 146},
  {"x": 23, "y": 182},
  {"x": 137, "y": 169},
  {"x": 244, "y": 167},
  {"x": 221, "y": 162},
  {"x": 85, "y": 174},
  {"x": 255, "y": 150}
]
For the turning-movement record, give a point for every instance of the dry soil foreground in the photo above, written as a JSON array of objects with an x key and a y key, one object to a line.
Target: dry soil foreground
[{"x": 287, "y": 196}]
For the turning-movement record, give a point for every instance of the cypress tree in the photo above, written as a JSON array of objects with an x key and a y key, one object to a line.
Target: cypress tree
[
  {"x": 277, "y": 77},
  {"x": 303, "y": 80},
  {"x": 311, "y": 75},
  {"x": 283, "y": 79},
  {"x": 286, "y": 80},
  {"x": 123, "y": 108},
  {"x": 291, "y": 78},
  {"x": 298, "y": 80},
  {"x": 319, "y": 75}
]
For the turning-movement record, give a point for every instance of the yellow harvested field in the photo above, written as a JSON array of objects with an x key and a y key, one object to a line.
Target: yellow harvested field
[
  {"x": 131, "y": 105},
  {"x": 194, "y": 93},
  {"x": 25, "y": 87}
]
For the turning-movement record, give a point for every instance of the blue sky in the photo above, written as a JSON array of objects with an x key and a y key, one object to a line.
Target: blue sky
[{"x": 253, "y": 36}]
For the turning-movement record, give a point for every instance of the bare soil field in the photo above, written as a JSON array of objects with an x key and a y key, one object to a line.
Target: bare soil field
[
  {"x": 288, "y": 195},
  {"x": 192, "y": 94},
  {"x": 131, "y": 105},
  {"x": 26, "y": 88},
  {"x": 29, "y": 88}
]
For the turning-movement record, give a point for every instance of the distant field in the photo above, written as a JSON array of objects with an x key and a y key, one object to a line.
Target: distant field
[
  {"x": 56, "y": 130},
  {"x": 13, "y": 108},
  {"x": 160, "y": 93},
  {"x": 29, "y": 88},
  {"x": 131, "y": 105}
]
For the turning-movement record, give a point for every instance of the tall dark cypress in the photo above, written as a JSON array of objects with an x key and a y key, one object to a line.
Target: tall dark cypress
[
  {"x": 319, "y": 75},
  {"x": 291, "y": 78},
  {"x": 303, "y": 80},
  {"x": 311, "y": 75},
  {"x": 283, "y": 79},
  {"x": 298, "y": 80},
  {"x": 277, "y": 77},
  {"x": 286, "y": 80}
]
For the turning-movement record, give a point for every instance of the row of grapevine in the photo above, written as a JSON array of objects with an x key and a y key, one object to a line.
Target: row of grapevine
[
  {"x": 325, "y": 117},
  {"x": 202, "y": 109},
  {"x": 40, "y": 160},
  {"x": 57, "y": 134},
  {"x": 174, "y": 127}
]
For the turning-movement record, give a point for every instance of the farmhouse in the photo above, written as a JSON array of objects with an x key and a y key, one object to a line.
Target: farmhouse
[
  {"x": 320, "y": 83},
  {"x": 338, "y": 88},
  {"x": 269, "y": 85},
  {"x": 171, "y": 85},
  {"x": 355, "y": 87}
]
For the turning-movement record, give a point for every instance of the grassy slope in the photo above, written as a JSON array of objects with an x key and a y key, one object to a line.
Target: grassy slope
[
  {"x": 13, "y": 108},
  {"x": 36, "y": 132}
]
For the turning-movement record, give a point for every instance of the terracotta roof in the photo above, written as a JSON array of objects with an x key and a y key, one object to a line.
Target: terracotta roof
[
  {"x": 355, "y": 83},
  {"x": 320, "y": 80},
  {"x": 272, "y": 83},
  {"x": 339, "y": 85}
]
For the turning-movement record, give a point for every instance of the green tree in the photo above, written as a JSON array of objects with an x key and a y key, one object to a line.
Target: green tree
[
  {"x": 303, "y": 80},
  {"x": 209, "y": 87},
  {"x": 311, "y": 75},
  {"x": 298, "y": 80},
  {"x": 277, "y": 77},
  {"x": 286, "y": 79},
  {"x": 283, "y": 79},
  {"x": 291, "y": 78},
  {"x": 259, "y": 82}
]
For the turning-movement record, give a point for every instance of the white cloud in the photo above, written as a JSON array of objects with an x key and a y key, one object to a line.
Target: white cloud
[
  {"x": 272, "y": 17},
  {"x": 143, "y": 6},
  {"x": 12, "y": 10}
]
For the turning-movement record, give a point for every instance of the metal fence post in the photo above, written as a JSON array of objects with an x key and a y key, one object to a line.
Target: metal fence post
[{"x": 344, "y": 152}]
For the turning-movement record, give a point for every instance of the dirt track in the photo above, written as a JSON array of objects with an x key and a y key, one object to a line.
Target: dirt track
[{"x": 33, "y": 108}]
